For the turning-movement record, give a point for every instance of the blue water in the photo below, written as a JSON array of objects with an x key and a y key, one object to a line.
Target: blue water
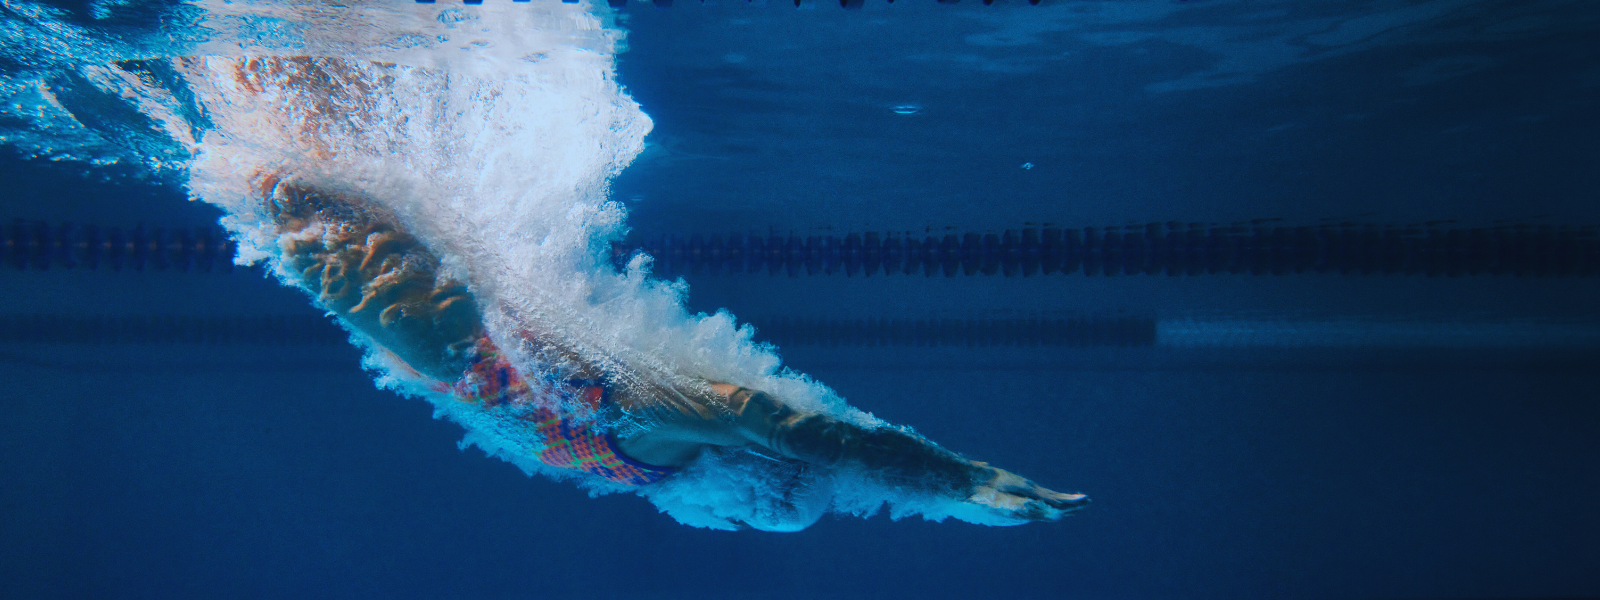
[{"x": 1406, "y": 437}]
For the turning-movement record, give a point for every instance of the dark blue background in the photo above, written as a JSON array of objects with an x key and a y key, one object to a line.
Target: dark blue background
[{"x": 162, "y": 471}]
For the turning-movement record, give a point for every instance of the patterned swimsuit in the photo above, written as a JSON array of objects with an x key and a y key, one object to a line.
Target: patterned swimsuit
[{"x": 495, "y": 386}]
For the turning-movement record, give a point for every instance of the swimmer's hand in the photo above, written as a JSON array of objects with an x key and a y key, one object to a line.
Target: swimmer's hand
[{"x": 1014, "y": 500}]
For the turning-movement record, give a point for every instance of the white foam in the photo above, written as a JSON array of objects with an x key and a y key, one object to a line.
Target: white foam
[{"x": 492, "y": 132}]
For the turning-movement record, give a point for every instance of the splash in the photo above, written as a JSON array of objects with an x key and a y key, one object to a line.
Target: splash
[{"x": 491, "y": 132}]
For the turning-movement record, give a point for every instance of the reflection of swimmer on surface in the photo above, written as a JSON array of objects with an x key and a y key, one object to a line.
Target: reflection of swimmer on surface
[{"x": 359, "y": 263}]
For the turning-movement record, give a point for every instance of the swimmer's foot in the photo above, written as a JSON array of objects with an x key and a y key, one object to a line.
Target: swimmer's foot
[{"x": 1011, "y": 497}]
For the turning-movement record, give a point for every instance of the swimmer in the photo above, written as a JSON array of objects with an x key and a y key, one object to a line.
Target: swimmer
[{"x": 360, "y": 264}]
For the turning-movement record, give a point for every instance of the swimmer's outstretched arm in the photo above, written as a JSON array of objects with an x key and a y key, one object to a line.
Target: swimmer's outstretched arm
[
  {"x": 363, "y": 266},
  {"x": 890, "y": 455}
]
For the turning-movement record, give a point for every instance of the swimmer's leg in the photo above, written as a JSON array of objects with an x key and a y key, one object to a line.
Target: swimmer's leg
[{"x": 359, "y": 263}]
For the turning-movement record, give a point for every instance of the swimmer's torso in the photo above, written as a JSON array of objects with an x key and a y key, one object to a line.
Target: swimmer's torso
[
  {"x": 379, "y": 279},
  {"x": 522, "y": 410}
]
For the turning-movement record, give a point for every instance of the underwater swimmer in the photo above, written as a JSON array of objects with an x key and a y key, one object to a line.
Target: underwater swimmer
[{"x": 359, "y": 263}]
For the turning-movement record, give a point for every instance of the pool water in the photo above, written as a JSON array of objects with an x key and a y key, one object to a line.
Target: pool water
[{"x": 1392, "y": 431}]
